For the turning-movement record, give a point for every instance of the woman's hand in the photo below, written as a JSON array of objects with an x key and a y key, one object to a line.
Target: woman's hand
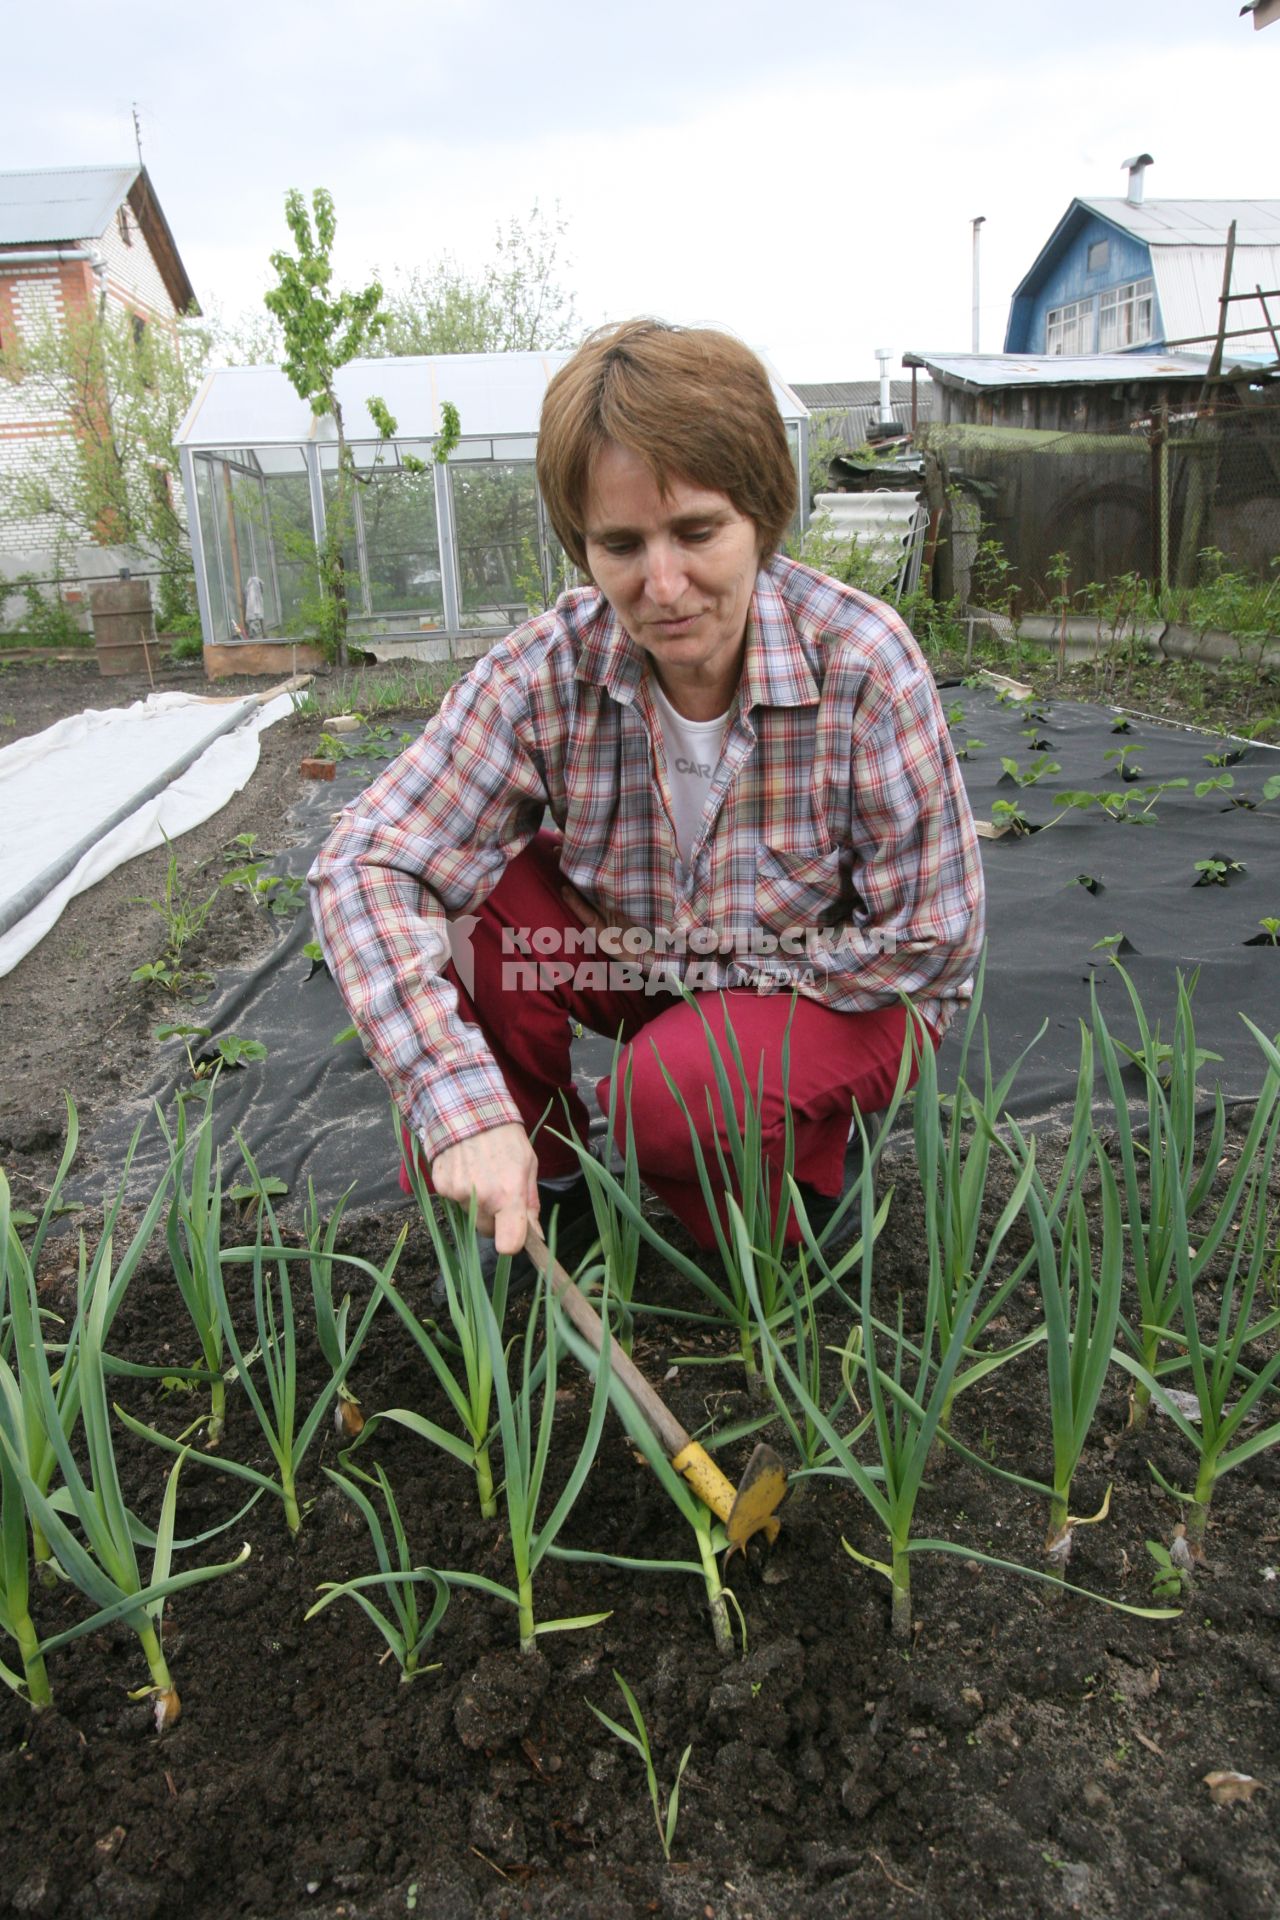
[{"x": 501, "y": 1168}]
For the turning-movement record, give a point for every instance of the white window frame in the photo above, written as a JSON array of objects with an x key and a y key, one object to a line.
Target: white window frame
[
  {"x": 1069, "y": 330},
  {"x": 1127, "y": 316}
]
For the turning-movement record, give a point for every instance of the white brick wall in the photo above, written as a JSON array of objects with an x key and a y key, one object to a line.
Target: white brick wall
[
  {"x": 30, "y": 428},
  {"x": 18, "y": 457},
  {"x": 37, "y": 301},
  {"x": 132, "y": 274},
  {"x": 37, "y": 296},
  {"x": 31, "y": 432}
]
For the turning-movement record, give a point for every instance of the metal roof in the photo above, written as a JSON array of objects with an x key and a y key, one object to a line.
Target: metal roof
[
  {"x": 49, "y": 206},
  {"x": 1187, "y": 240},
  {"x": 1189, "y": 288},
  {"x": 847, "y": 393},
  {"x": 1058, "y": 369},
  {"x": 495, "y": 394},
  {"x": 1193, "y": 223}
]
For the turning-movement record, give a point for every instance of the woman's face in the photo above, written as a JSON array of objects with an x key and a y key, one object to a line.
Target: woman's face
[{"x": 678, "y": 569}]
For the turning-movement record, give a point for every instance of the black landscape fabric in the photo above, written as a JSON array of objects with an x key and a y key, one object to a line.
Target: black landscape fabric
[{"x": 315, "y": 1109}]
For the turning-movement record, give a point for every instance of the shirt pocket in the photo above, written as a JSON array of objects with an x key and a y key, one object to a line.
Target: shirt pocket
[{"x": 799, "y": 883}]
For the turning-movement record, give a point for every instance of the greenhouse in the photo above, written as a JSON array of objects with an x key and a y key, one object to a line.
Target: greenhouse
[{"x": 439, "y": 557}]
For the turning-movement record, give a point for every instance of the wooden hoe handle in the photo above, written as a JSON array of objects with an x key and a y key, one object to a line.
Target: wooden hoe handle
[{"x": 685, "y": 1455}]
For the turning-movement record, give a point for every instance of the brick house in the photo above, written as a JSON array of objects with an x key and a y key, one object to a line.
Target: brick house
[{"x": 73, "y": 241}]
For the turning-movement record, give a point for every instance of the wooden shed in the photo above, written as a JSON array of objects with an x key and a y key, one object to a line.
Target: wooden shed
[{"x": 1126, "y": 463}]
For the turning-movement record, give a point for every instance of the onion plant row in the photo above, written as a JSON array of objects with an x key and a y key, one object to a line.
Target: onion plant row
[
  {"x": 1121, "y": 1256},
  {"x": 63, "y": 1509},
  {"x": 1110, "y": 1217},
  {"x": 83, "y": 1526},
  {"x": 272, "y": 1355}
]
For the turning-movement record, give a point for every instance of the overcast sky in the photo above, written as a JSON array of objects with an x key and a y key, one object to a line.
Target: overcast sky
[{"x": 806, "y": 178}]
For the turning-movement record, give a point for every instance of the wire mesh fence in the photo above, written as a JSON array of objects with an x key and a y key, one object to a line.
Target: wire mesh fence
[{"x": 1173, "y": 497}]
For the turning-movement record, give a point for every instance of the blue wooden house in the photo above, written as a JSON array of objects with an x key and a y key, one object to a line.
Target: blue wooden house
[{"x": 1141, "y": 276}]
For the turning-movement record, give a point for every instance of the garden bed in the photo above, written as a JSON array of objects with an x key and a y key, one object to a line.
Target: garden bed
[{"x": 1021, "y": 1751}]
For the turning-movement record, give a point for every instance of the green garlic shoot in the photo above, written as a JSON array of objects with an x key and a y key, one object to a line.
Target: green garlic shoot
[{"x": 639, "y": 1742}]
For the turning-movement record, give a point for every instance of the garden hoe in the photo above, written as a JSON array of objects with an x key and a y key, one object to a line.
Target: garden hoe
[{"x": 749, "y": 1508}]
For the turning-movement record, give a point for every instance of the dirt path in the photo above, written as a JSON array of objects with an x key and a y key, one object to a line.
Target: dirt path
[{"x": 71, "y": 1019}]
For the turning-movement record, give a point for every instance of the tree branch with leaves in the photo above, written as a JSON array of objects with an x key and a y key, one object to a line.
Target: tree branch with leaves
[
  {"x": 322, "y": 331},
  {"x": 516, "y": 303},
  {"x": 121, "y": 386}
]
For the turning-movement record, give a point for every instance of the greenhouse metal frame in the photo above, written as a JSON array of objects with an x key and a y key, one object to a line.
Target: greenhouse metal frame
[{"x": 440, "y": 558}]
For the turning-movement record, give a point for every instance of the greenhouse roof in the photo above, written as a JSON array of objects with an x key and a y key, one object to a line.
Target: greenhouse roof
[{"x": 495, "y": 393}]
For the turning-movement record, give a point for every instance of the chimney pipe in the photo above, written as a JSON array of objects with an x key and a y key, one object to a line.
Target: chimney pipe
[
  {"x": 977, "y": 329},
  {"x": 884, "y": 355},
  {"x": 1137, "y": 167}
]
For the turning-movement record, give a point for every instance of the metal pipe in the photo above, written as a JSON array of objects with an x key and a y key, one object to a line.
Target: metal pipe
[
  {"x": 48, "y": 256},
  {"x": 30, "y": 896},
  {"x": 1136, "y": 168},
  {"x": 33, "y": 256},
  {"x": 884, "y": 355},
  {"x": 980, "y": 221}
]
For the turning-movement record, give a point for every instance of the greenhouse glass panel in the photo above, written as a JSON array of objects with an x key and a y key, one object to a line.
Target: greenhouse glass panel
[
  {"x": 402, "y": 544},
  {"x": 391, "y": 552},
  {"x": 351, "y": 540},
  {"x": 209, "y": 539},
  {"x": 495, "y": 517},
  {"x": 287, "y": 501},
  {"x": 236, "y": 543},
  {"x": 548, "y": 575},
  {"x": 242, "y": 493}
]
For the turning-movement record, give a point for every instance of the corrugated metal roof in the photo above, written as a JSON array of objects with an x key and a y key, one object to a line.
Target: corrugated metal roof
[
  {"x": 1189, "y": 287},
  {"x": 847, "y": 393},
  {"x": 495, "y": 393},
  {"x": 1194, "y": 223},
  {"x": 852, "y": 407},
  {"x": 1058, "y": 370},
  {"x": 889, "y": 527},
  {"x": 50, "y": 206}
]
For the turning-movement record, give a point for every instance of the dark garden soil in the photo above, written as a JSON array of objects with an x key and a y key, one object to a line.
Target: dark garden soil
[
  {"x": 1023, "y": 1753},
  {"x": 70, "y": 1017}
]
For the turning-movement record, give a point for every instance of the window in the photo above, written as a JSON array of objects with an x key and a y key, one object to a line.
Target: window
[
  {"x": 125, "y": 226},
  {"x": 1069, "y": 329},
  {"x": 1126, "y": 316},
  {"x": 1099, "y": 256}
]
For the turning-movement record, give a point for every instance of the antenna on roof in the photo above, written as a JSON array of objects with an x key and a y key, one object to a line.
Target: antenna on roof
[{"x": 137, "y": 131}]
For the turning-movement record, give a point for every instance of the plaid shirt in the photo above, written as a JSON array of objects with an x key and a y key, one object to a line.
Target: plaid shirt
[{"x": 837, "y": 808}]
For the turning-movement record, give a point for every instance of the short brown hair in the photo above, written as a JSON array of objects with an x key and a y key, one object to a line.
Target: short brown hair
[{"x": 693, "y": 403}]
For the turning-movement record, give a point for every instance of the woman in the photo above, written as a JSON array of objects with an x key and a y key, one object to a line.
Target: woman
[{"x": 753, "y": 792}]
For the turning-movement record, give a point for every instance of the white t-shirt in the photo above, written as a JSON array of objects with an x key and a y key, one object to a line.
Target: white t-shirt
[{"x": 693, "y": 749}]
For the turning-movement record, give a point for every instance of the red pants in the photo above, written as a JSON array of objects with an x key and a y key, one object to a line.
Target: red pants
[{"x": 837, "y": 1060}]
